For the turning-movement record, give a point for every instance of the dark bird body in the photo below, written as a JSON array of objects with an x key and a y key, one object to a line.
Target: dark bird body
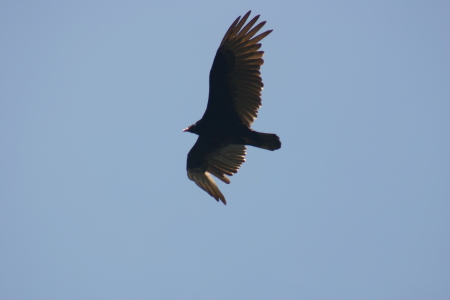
[{"x": 234, "y": 99}]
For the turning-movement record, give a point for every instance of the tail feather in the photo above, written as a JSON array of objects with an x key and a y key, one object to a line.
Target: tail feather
[{"x": 269, "y": 141}]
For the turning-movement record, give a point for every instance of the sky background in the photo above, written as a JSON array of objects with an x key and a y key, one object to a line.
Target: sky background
[{"x": 95, "y": 202}]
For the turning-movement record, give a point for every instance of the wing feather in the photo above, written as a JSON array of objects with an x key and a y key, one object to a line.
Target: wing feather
[
  {"x": 235, "y": 78},
  {"x": 237, "y": 25},
  {"x": 209, "y": 157},
  {"x": 247, "y": 27}
]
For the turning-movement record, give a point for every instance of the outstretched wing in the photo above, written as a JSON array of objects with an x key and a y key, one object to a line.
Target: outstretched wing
[
  {"x": 235, "y": 82},
  {"x": 210, "y": 157}
]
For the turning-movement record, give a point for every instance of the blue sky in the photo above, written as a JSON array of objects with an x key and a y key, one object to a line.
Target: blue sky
[{"x": 94, "y": 198}]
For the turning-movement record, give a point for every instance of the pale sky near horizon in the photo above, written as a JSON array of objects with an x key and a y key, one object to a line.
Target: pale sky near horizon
[{"x": 94, "y": 198}]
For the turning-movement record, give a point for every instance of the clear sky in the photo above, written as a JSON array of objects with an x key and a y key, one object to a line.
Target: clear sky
[{"x": 95, "y": 202}]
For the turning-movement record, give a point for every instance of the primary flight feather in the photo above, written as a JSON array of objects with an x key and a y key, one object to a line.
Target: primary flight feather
[{"x": 234, "y": 99}]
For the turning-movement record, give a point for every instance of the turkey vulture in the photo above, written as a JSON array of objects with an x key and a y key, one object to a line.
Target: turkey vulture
[{"x": 234, "y": 99}]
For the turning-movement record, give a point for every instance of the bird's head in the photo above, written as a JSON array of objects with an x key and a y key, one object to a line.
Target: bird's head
[{"x": 190, "y": 129}]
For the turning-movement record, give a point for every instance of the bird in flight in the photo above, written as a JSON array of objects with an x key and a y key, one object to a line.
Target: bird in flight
[{"x": 234, "y": 99}]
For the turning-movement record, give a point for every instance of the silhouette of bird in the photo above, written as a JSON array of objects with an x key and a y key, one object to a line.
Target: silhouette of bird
[{"x": 234, "y": 99}]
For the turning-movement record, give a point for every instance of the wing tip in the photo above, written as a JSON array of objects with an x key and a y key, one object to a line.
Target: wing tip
[{"x": 220, "y": 198}]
